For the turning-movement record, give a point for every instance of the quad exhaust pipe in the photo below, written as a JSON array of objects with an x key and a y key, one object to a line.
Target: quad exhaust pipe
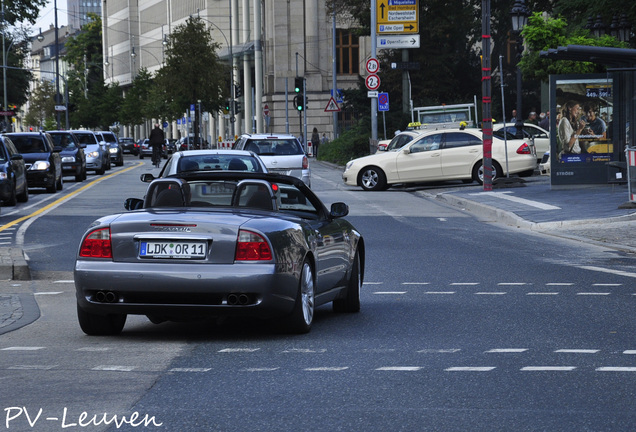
[
  {"x": 238, "y": 299},
  {"x": 106, "y": 297}
]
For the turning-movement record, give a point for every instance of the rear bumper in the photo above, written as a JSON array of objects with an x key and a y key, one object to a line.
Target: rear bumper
[{"x": 184, "y": 290}]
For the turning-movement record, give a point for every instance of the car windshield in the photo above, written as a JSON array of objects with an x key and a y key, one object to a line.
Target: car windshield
[
  {"x": 218, "y": 162},
  {"x": 63, "y": 140},
  {"x": 27, "y": 144},
  {"x": 278, "y": 147},
  {"x": 86, "y": 138},
  {"x": 109, "y": 138}
]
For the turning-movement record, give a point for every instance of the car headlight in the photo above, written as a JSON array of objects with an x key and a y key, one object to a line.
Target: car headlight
[
  {"x": 348, "y": 165},
  {"x": 40, "y": 166},
  {"x": 93, "y": 154},
  {"x": 70, "y": 159},
  {"x": 112, "y": 150}
]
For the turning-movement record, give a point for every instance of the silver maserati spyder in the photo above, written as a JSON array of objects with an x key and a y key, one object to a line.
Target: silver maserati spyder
[{"x": 206, "y": 244}]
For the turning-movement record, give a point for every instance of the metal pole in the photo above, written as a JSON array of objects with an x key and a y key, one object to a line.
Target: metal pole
[
  {"x": 334, "y": 73},
  {"x": 4, "y": 68},
  {"x": 374, "y": 101},
  {"x": 486, "y": 95},
  {"x": 57, "y": 67},
  {"x": 503, "y": 109}
]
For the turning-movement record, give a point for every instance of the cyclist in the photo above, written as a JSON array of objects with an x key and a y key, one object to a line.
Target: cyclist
[{"x": 156, "y": 141}]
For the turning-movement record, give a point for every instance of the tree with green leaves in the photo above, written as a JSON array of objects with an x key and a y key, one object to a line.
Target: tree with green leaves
[
  {"x": 134, "y": 106},
  {"x": 192, "y": 73},
  {"x": 542, "y": 33},
  {"x": 41, "y": 105}
]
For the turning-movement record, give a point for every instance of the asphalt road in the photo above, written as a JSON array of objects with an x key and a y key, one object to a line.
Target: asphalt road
[{"x": 464, "y": 325}]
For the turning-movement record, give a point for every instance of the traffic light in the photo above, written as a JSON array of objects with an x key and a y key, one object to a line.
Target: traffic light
[
  {"x": 238, "y": 91},
  {"x": 298, "y": 84},
  {"x": 237, "y": 107},
  {"x": 299, "y": 102},
  {"x": 228, "y": 103}
]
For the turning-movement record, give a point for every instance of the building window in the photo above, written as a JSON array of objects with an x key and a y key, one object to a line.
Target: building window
[{"x": 348, "y": 49}]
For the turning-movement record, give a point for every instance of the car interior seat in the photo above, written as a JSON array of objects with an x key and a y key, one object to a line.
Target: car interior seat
[
  {"x": 189, "y": 165},
  {"x": 237, "y": 165},
  {"x": 169, "y": 198}
]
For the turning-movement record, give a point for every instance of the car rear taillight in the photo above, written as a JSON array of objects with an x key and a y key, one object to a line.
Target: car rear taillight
[
  {"x": 524, "y": 149},
  {"x": 97, "y": 244},
  {"x": 305, "y": 162},
  {"x": 252, "y": 247}
]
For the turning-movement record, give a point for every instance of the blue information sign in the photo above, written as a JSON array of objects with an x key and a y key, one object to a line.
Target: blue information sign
[{"x": 383, "y": 101}]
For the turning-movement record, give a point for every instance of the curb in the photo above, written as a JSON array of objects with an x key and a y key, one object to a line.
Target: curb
[{"x": 13, "y": 264}]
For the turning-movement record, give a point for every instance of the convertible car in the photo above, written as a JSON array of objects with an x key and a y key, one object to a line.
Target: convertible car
[{"x": 204, "y": 244}]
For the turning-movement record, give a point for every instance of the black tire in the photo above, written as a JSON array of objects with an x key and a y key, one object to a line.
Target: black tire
[
  {"x": 100, "y": 171},
  {"x": 350, "y": 303},
  {"x": 59, "y": 185},
  {"x": 372, "y": 179},
  {"x": 79, "y": 177},
  {"x": 302, "y": 316},
  {"x": 52, "y": 188},
  {"x": 13, "y": 200},
  {"x": 100, "y": 325},
  {"x": 478, "y": 172},
  {"x": 24, "y": 195},
  {"x": 141, "y": 155}
]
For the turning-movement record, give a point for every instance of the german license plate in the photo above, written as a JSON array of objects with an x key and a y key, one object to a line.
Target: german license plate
[{"x": 173, "y": 249}]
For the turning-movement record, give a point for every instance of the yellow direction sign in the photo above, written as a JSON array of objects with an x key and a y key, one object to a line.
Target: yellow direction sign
[{"x": 397, "y": 16}]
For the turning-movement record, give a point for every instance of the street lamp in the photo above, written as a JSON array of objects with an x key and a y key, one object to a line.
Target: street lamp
[
  {"x": 619, "y": 28},
  {"x": 519, "y": 14}
]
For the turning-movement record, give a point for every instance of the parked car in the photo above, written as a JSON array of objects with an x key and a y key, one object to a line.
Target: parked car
[
  {"x": 128, "y": 145},
  {"x": 13, "y": 180},
  {"x": 112, "y": 143},
  {"x": 541, "y": 136},
  {"x": 210, "y": 160},
  {"x": 172, "y": 145},
  {"x": 97, "y": 156},
  {"x": 72, "y": 153},
  {"x": 399, "y": 140},
  {"x": 544, "y": 166},
  {"x": 282, "y": 154},
  {"x": 146, "y": 149},
  {"x": 439, "y": 155},
  {"x": 232, "y": 243},
  {"x": 42, "y": 159}
]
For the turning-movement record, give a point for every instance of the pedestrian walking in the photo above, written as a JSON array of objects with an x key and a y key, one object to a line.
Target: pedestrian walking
[
  {"x": 315, "y": 141},
  {"x": 156, "y": 140}
]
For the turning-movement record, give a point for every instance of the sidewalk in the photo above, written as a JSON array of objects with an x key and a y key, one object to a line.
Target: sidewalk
[{"x": 600, "y": 214}]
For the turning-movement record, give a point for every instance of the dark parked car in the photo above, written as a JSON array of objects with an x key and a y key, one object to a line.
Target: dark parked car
[
  {"x": 73, "y": 156},
  {"x": 128, "y": 145},
  {"x": 206, "y": 244},
  {"x": 112, "y": 143},
  {"x": 42, "y": 159},
  {"x": 13, "y": 182}
]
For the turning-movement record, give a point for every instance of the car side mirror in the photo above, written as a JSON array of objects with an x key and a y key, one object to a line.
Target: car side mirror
[
  {"x": 57, "y": 149},
  {"x": 133, "y": 204},
  {"x": 406, "y": 150},
  {"x": 338, "y": 210},
  {"x": 17, "y": 156},
  {"x": 147, "y": 177}
]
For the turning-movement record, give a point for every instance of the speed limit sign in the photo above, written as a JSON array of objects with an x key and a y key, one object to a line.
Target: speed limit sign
[{"x": 372, "y": 81}]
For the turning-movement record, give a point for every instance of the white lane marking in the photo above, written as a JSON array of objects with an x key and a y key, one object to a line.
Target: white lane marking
[
  {"x": 470, "y": 369},
  {"x": 559, "y": 284},
  {"x": 490, "y": 293},
  {"x": 542, "y": 293},
  {"x": 440, "y": 292},
  {"x": 616, "y": 369},
  {"x": 22, "y": 348},
  {"x": 389, "y": 292},
  {"x": 531, "y": 203},
  {"x": 465, "y": 283},
  {"x": 512, "y": 283},
  {"x": 399, "y": 368},
  {"x": 113, "y": 368},
  {"x": 372, "y": 283},
  {"x": 606, "y": 270},
  {"x": 304, "y": 350},
  {"x": 507, "y": 350},
  {"x": 239, "y": 350},
  {"x": 327, "y": 369},
  {"x": 548, "y": 368},
  {"x": 62, "y": 281},
  {"x": 439, "y": 351},
  {"x": 629, "y": 352},
  {"x": 48, "y": 293},
  {"x": 93, "y": 349},
  {"x": 577, "y": 351},
  {"x": 190, "y": 369},
  {"x": 607, "y": 284},
  {"x": 33, "y": 367},
  {"x": 263, "y": 369},
  {"x": 416, "y": 283},
  {"x": 593, "y": 293}
]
